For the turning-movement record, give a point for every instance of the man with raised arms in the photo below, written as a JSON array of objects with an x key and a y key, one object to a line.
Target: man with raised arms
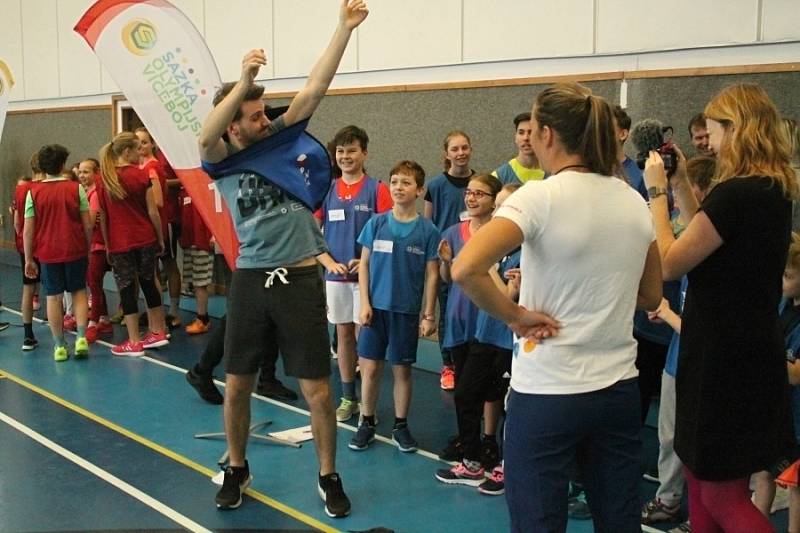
[{"x": 276, "y": 292}]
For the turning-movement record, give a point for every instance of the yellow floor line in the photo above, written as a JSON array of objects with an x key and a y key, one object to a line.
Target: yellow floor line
[{"x": 263, "y": 498}]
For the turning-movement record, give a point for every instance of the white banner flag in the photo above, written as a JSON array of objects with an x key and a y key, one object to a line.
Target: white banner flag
[
  {"x": 6, "y": 83},
  {"x": 163, "y": 66}
]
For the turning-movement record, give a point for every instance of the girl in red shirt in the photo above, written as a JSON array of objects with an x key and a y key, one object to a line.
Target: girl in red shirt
[
  {"x": 158, "y": 173},
  {"x": 131, "y": 229}
]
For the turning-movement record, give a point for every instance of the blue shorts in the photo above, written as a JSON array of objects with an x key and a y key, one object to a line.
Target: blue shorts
[
  {"x": 391, "y": 334},
  {"x": 64, "y": 277}
]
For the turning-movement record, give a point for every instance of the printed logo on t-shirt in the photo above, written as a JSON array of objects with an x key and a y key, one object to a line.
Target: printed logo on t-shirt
[
  {"x": 362, "y": 207},
  {"x": 527, "y": 346},
  {"x": 414, "y": 249},
  {"x": 383, "y": 246}
]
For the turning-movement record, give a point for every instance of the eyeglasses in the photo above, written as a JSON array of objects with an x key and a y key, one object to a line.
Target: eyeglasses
[{"x": 477, "y": 194}]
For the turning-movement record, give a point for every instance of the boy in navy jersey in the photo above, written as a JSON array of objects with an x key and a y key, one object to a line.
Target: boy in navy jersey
[
  {"x": 58, "y": 206},
  {"x": 399, "y": 262},
  {"x": 352, "y": 199}
]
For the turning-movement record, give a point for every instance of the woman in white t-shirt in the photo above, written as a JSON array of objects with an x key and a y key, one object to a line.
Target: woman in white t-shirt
[{"x": 588, "y": 260}]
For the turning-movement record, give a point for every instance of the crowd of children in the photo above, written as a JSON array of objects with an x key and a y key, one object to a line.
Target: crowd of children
[{"x": 387, "y": 266}]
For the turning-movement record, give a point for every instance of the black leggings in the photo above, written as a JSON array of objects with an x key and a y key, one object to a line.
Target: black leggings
[{"x": 128, "y": 296}]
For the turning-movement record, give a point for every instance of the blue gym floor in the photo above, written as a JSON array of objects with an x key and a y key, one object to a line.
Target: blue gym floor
[{"x": 107, "y": 444}]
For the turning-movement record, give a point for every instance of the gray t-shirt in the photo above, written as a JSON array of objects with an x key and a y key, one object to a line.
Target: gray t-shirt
[{"x": 274, "y": 228}]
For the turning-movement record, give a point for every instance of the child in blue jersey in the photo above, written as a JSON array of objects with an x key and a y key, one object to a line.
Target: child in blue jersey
[
  {"x": 444, "y": 205},
  {"x": 484, "y": 381},
  {"x": 398, "y": 265},
  {"x": 459, "y": 334},
  {"x": 352, "y": 199},
  {"x": 790, "y": 320}
]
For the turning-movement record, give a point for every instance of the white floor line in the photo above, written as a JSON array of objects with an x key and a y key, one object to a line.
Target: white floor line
[
  {"x": 385, "y": 440},
  {"x": 146, "y": 499}
]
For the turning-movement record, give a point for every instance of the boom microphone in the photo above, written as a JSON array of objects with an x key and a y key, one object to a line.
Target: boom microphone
[{"x": 648, "y": 135}]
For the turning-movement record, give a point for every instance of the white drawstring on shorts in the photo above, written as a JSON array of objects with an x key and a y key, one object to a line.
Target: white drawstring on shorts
[{"x": 280, "y": 272}]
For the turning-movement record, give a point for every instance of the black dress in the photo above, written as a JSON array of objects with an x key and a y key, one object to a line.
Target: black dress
[{"x": 733, "y": 413}]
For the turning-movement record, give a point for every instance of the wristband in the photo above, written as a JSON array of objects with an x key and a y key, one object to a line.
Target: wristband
[{"x": 428, "y": 317}]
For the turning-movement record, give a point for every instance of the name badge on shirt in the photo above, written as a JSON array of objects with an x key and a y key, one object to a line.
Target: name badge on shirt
[
  {"x": 335, "y": 215},
  {"x": 463, "y": 215},
  {"x": 383, "y": 246},
  {"x": 187, "y": 200}
]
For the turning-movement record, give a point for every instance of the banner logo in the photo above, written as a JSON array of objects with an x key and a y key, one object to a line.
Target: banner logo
[
  {"x": 139, "y": 36},
  {"x": 2, "y": 85}
]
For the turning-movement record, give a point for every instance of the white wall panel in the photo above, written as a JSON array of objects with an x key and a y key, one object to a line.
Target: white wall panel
[
  {"x": 79, "y": 69},
  {"x": 195, "y": 11},
  {"x": 677, "y": 24},
  {"x": 40, "y": 49},
  {"x": 411, "y": 33},
  {"x": 781, "y": 20},
  {"x": 233, "y": 28},
  {"x": 514, "y": 29},
  {"x": 11, "y": 46},
  {"x": 303, "y": 29}
]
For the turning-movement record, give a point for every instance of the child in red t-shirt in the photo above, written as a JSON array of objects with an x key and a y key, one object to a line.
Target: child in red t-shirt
[
  {"x": 159, "y": 172},
  {"x": 131, "y": 229},
  {"x": 57, "y": 231},
  {"x": 198, "y": 260}
]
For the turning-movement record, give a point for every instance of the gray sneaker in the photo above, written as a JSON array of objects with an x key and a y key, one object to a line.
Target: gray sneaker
[
  {"x": 405, "y": 442},
  {"x": 363, "y": 438}
]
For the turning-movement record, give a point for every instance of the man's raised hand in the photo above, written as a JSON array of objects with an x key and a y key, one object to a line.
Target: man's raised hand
[
  {"x": 352, "y": 13},
  {"x": 251, "y": 64}
]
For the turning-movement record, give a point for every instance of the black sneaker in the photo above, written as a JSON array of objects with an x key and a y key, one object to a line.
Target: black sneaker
[
  {"x": 237, "y": 479},
  {"x": 276, "y": 390},
  {"x": 490, "y": 454},
  {"x": 29, "y": 343},
  {"x": 453, "y": 452},
  {"x": 4, "y": 325},
  {"x": 337, "y": 504},
  {"x": 204, "y": 385}
]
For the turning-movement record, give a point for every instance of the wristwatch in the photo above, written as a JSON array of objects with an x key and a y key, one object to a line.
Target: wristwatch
[{"x": 655, "y": 192}]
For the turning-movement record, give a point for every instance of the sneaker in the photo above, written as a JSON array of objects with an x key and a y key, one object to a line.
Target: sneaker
[
  {"x": 461, "y": 475},
  {"x": 447, "y": 381},
  {"x": 81, "y": 348},
  {"x": 128, "y": 349},
  {"x": 651, "y": 475},
  {"x": 337, "y": 504},
  {"x": 684, "y": 527},
  {"x": 204, "y": 385},
  {"x": 197, "y": 327},
  {"x": 154, "y": 340},
  {"x": 276, "y": 390},
  {"x": 655, "y": 511},
  {"x": 174, "y": 322},
  {"x": 363, "y": 437},
  {"x": 490, "y": 454},
  {"x": 236, "y": 480},
  {"x": 577, "y": 508},
  {"x": 36, "y": 304},
  {"x": 60, "y": 353},
  {"x": 495, "y": 484},
  {"x": 104, "y": 326},
  {"x": 402, "y": 437},
  {"x": 4, "y": 326},
  {"x": 29, "y": 343},
  {"x": 69, "y": 323},
  {"x": 91, "y": 334},
  {"x": 346, "y": 410},
  {"x": 453, "y": 452}
]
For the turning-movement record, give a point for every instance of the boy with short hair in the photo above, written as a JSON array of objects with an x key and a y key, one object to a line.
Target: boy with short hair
[
  {"x": 399, "y": 263},
  {"x": 58, "y": 206},
  {"x": 198, "y": 260},
  {"x": 352, "y": 199},
  {"x": 524, "y": 166}
]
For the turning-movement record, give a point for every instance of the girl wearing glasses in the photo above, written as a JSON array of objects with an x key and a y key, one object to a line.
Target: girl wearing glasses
[{"x": 461, "y": 317}]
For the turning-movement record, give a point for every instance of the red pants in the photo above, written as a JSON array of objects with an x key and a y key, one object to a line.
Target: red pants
[{"x": 723, "y": 506}]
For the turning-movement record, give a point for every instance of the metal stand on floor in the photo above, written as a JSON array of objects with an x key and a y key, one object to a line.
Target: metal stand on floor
[{"x": 223, "y": 461}]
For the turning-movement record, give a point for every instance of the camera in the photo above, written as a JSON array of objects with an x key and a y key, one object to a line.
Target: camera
[{"x": 650, "y": 134}]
